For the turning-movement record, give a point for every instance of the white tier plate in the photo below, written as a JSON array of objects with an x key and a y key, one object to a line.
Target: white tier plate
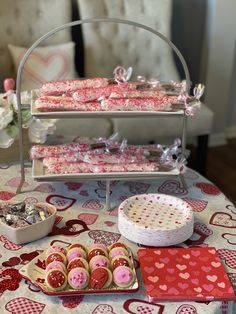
[
  {"x": 38, "y": 174},
  {"x": 155, "y": 219}
]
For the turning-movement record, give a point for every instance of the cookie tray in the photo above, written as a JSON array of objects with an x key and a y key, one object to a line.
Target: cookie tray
[{"x": 34, "y": 273}]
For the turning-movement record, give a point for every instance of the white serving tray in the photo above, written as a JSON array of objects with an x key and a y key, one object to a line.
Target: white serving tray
[
  {"x": 96, "y": 114},
  {"x": 38, "y": 174}
]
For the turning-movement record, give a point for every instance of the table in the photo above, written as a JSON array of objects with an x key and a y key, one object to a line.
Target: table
[{"x": 82, "y": 217}]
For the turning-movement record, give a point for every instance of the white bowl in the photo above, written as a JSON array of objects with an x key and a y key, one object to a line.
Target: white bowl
[
  {"x": 155, "y": 219},
  {"x": 32, "y": 232}
]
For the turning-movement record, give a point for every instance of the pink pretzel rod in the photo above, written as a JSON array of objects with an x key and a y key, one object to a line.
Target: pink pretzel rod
[
  {"x": 41, "y": 151},
  {"x": 110, "y": 158},
  {"x": 137, "y": 94},
  {"x": 91, "y": 94},
  {"x": 71, "y": 85},
  {"x": 137, "y": 104},
  {"x": 61, "y": 103},
  {"x": 67, "y": 167},
  {"x": 94, "y": 157},
  {"x": 67, "y": 157},
  {"x": 137, "y": 167}
]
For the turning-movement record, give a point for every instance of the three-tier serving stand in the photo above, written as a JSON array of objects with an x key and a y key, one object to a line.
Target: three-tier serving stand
[{"x": 37, "y": 166}]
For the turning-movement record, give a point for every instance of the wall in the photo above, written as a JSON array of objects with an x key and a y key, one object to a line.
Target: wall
[{"x": 221, "y": 67}]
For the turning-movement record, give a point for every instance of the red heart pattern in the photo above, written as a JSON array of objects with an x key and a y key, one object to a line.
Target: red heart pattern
[
  {"x": 228, "y": 256},
  {"x": 222, "y": 219},
  {"x": 93, "y": 204},
  {"x": 24, "y": 305},
  {"x": 103, "y": 309},
  {"x": 60, "y": 202},
  {"x": 197, "y": 205},
  {"x": 73, "y": 186},
  {"x": 186, "y": 309},
  {"x": 172, "y": 187},
  {"x": 10, "y": 245},
  {"x": 138, "y": 187},
  {"x": 208, "y": 188},
  {"x": 105, "y": 237},
  {"x": 136, "y": 306},
  {"x": 71, "y": 301},
  {"x": 89, "y": 219},
  {"x": 5, "y": 195}
]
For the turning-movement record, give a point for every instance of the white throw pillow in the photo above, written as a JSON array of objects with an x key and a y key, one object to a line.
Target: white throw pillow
[{"x": 47, "y": 63}]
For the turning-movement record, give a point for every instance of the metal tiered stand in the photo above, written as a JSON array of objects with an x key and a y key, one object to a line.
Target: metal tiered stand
[{"x": 38, "y": 170}]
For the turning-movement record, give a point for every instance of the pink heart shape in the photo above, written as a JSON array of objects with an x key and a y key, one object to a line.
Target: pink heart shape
[
  {"x": 60, "y": 202},
  {"x": 44, "y": 188},
  {"x": 109, "y": 223},
  {"x": 173, "y": 291},
  {"x": 45, "y": 62},
  {"x": 24, "y": 305},
  {"x": 14, "y": 182},
  {"x": 83, "y": 193},
  {"x": 105, "y": 237},
  {"x": 89, "y": 219},
  {"x": 103, "y": 309},
  {"x": 172, "y": 187},
  {"x": 73, "y": 186},
  {"x": 93, "y": 204},
  {"x": 229, "y": 256},
  {"x": 9, "y": 245},
  {"x": 197, "y": 205}
]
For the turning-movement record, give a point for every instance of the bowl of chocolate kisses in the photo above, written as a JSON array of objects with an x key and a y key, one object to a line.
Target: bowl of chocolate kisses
[{"x": 22, "y": 222}]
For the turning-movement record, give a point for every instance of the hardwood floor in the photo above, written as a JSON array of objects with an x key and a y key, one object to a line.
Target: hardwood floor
[
  {"x": 221, "y": 168},
  {"x": 221, "y": 164}
]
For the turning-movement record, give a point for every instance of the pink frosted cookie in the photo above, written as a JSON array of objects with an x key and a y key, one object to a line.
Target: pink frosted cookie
[
  {"x": 55, "y": 248},
  {"x": 78, "y": 278},
  {"x": 99, "y": 261},
  {"x": 56, "y": 279},
  {"x": 96, "y": 251},
  {"x": 77, "y": 262},
  {"x": 76, "y": 252},
  {"x": 56, "y": 256},
  {"x": 120, "y": 260},
  {"x": 97, "y": 246},
  {"x": 118, "y": 251},
  {"x": 78, "y": 245},
  {"x": 101, "y": 278},
  {"x": 123, "y": 276},
  {"x": 56, "y": 265}
]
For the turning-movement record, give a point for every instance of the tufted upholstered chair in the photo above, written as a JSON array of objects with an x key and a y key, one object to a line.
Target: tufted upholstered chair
[{"x": 99, "y": 49}]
